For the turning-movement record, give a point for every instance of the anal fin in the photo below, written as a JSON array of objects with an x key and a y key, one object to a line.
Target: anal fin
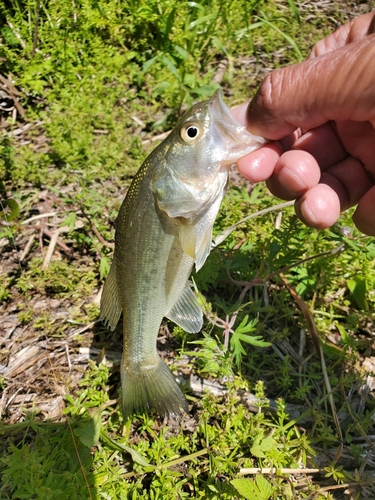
[
  {"x": 186, "y": 312},
  {"x": 110, "y": 308}
]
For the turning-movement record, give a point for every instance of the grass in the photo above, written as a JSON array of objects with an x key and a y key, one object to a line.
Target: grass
[{"x": 97, "y": 81}]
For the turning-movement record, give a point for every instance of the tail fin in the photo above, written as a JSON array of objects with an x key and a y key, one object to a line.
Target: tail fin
[{"x": 153, "y": 388}]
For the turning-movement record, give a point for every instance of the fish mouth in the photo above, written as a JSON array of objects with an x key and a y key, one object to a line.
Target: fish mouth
[
  {"x": 222, "y": 115},
  {"x": 234, "y": 137}
]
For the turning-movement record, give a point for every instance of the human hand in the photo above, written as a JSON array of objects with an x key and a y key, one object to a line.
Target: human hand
[{"x": 320, "y": 118}]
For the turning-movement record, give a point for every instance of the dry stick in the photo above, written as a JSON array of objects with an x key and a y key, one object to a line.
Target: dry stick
[
  {"x": 339, "y": 486},
  {"x": 84, "y": 328},
  {"x": 27, "y": 247},
  {"x": 51, "y": 248},
  {"x": 97, "y": 234},
  {"x": 9, "y": 86},
  {"x": 272, "y": 470},
  {"x": 159, "y": 137},
  {"x": 13, "y": 92},
  {"x": 222, "y": 236},
  {"x": 47, "y": 232},
  {"x": 68, "y": 357},
  {"x": 41, "y": 240},
  {"x": 3, "y": 401},
  {"x": 61, "y": 244},
  {"x": 13, "y": 397},
  {"x": 39, "y": 216}
]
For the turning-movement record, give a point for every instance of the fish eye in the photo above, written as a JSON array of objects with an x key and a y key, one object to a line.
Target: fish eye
[{"x": 190, "y": 132}]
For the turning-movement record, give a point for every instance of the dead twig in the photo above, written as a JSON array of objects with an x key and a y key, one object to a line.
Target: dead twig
[
  {"x": 51, "y": 248},
  {"x": 222, "y": 236},
  {"x": 13, "y": 93},
  {"x": 272, "y": 470},
  {"x": 37, "y": 217},
  {"x": 60, "y": 243},
  {"x": 159, "y": 137},
  {"x": 27, "y": 248},
  {"x": 95, "y": 230}
]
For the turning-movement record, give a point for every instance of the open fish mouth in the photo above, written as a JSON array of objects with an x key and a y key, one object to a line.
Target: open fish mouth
[{"x": 235, "y": 138}]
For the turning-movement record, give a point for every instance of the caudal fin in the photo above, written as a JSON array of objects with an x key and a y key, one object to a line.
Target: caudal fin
[{"x": 151, "y": 389}]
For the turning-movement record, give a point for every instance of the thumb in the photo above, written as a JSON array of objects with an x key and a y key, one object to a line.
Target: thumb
[{"x": 339, "y": 85}]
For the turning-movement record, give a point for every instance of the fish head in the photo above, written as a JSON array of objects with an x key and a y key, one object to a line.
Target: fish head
[{"x": 196, "y": 156}]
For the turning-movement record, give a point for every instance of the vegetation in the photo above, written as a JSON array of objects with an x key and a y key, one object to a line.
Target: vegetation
[{"x": 287, "y": 351}]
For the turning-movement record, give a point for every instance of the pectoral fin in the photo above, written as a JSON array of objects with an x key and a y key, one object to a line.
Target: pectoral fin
[
  {"x": 187, "y": 312},
  {"x": 204, "y": 248},
  {"x": 110, "y": 308},
  {"x": 188, "y": 239},
  {"x": 205, "y": 222}
]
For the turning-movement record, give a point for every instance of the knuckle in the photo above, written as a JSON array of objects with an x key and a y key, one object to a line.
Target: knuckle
[{"x": 269, "y": 91}]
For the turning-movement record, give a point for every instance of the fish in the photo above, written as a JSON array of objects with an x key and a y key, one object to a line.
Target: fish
[{"x": 163, "y": 229}]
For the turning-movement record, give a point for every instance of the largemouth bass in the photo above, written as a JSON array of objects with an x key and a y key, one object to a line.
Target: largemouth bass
[{"x": 163, "y": 228}]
